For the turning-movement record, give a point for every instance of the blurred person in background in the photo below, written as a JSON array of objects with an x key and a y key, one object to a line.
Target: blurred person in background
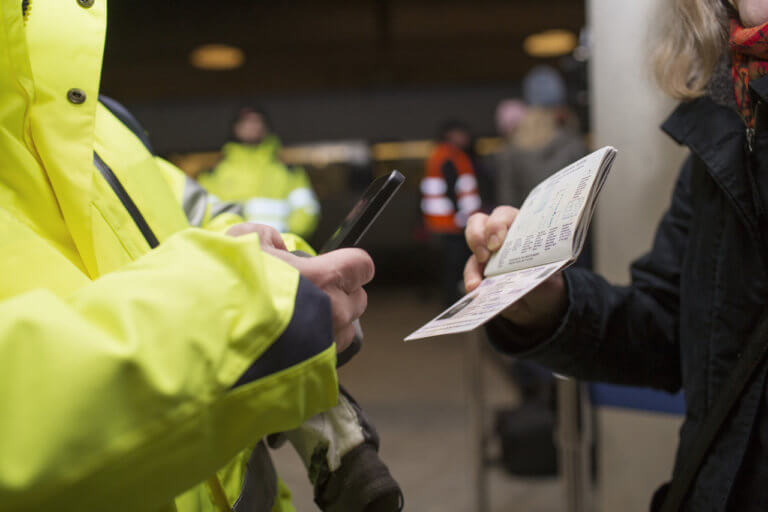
[
  {"x": 251, "y": 173},
  {"x": 538, "y": 142},
  {"x": 509, "y": 113},
  {"x": 694, "y": 315},
  {"x": 149, "y": 340},
  {"x": 538, "y": 137},
  {"x": 450, "y": 195}
]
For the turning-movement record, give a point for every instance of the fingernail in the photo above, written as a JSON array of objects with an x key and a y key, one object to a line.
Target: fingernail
[
  {"x": 482, "y": 254},
  {"x": 472, "y": 284},
  {"x": 494, "y": 242}
]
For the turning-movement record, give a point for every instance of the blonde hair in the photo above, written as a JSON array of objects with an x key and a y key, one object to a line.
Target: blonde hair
[{"x": 691, "y": 41}]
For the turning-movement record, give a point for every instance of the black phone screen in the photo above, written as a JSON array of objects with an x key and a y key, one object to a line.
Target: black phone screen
[{"x": 364, "y": 213}]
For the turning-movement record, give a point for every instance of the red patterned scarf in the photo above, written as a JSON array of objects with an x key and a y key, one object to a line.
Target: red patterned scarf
[{"x": 749, "y": 61}]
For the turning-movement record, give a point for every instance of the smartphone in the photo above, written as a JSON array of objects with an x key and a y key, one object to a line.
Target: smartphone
[
  {"x": 365, "y": 212},
  {"x": 354, "y": 226}
]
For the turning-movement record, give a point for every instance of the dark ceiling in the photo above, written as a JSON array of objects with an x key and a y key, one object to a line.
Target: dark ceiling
[{"x": 299, "y": 46}]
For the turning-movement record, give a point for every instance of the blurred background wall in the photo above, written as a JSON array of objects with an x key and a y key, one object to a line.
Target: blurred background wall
[
  {"x": 636, "y": 448},
  {"x": 381, "y": 114},
  {"x": 333, "y": 69}
]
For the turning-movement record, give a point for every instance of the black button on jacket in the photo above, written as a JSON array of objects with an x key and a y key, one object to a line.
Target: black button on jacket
[{"x": 692, "y": 301}]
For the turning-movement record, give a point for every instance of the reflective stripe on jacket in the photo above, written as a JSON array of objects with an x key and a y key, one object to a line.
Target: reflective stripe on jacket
[
  {"x": 449, "y": 190},
  {"x": 271, "y": 193},
  {"x": 117, "y": 362}
]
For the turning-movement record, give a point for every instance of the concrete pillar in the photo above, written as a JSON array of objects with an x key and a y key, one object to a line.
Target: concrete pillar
[
  {"x": 627, "y": 109},
  {"x": 636, "y": 449}
]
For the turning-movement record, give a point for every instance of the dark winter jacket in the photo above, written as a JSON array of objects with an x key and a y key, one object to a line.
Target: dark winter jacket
[{"x": 692, "y": 301}]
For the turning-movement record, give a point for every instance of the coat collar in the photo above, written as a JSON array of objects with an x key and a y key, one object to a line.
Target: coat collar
[
  {"x": 716, "y": 135},
  {"x": 760, "y": 87}
]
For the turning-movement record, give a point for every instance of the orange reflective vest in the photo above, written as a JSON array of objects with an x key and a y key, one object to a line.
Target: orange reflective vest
[{"x": 449, "y": 190}]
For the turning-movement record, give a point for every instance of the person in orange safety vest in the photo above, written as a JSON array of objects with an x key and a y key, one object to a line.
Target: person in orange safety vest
[{"x": 449, "y": 196}]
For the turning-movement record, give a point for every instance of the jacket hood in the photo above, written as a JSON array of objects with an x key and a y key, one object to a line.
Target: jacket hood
[{"x": 50, "y": 68}]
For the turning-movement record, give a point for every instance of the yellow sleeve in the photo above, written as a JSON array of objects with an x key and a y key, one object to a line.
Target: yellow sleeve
[{"x": 143, "y": 383}]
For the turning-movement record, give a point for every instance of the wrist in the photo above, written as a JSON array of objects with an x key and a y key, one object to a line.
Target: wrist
[{"x": 543, "y": 308}]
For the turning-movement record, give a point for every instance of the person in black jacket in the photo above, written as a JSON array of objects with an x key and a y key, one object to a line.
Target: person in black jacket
[{"x": 696, "y": 296}]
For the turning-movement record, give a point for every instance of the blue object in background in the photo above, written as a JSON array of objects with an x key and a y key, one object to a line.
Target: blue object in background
[
  {"x": 609, "y": 395},
  {"x": 543, "y": 86}
]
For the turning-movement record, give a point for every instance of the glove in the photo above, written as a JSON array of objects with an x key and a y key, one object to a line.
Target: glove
[{"x": 339, "y": 448}]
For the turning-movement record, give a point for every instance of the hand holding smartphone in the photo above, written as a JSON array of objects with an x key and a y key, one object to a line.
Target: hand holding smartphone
[{"x": 354, "y": 226}]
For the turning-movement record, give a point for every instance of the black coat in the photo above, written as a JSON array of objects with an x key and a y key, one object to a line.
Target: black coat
[{"x": 692, "y": 301}]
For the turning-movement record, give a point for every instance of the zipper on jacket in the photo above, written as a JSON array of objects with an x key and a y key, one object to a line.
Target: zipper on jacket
[
  {"x": 126, "y": 200},
  {"x": 752, "y": 132}
]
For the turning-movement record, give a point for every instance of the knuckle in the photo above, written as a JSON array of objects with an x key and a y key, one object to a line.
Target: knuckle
[
  {"x": 333, "y": 277},
  {"x": 475, "y": 234},
  {"x": 476, "y": 217},
  {"x": 338, "y": 278},
  {"x": 503, "y": 214},
  {"x": 495, "y": 222}
]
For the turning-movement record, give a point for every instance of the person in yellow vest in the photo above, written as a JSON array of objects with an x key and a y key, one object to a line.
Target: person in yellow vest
[
  {"x": 142, "y": 351},
  {"x": 252, "y": 174}
]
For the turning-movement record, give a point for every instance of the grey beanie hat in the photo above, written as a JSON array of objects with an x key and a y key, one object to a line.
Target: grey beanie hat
[{"x": 544, "y": 87}]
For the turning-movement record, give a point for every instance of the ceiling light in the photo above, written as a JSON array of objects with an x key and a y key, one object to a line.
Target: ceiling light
[
  {"x": 217, "y": 57},
  {"x": 550, "y": 43}
]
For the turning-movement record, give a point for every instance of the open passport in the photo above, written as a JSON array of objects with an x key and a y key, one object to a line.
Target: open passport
[{"x": 547, "y": 236}]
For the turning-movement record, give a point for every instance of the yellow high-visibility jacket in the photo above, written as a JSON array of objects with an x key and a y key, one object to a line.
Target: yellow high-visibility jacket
[
  {"x": 128, "y": 375},
  {"x": 269, "y": 191}
]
